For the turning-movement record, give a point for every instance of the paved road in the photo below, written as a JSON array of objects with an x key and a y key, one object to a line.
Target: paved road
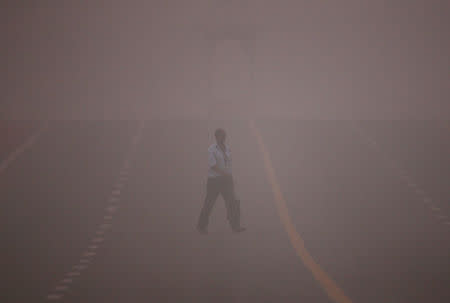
[{"x": 105, "y": 211}]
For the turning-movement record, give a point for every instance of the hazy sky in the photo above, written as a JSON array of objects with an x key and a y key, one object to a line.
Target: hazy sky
[{"x": 309, "y": 59}]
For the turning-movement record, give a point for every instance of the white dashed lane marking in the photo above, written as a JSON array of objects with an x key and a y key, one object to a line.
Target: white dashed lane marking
[
  {"x": 79, "y": 267},
  {"x": 97, "y": 240},
  {"x": 54, "y": 297},
  {"x": 105, "y": 226},
  {"x": 411, "y": 184},
  {"x": 113, "y": 200},
  {"x": 89, "y": 254},
  {"x": 403, "y": 174},
  {"x": 419, "y": 191},
  {"x": 59, "y": 290}
]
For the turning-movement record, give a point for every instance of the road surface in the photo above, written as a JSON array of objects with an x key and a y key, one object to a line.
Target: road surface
[{"x": 105, "y": 211}]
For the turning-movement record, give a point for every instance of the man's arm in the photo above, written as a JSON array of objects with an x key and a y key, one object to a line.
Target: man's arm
[{"x": 213, "y": 164}]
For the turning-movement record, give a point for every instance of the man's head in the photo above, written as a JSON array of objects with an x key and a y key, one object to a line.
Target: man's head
[{"x": 220, "y": 135}]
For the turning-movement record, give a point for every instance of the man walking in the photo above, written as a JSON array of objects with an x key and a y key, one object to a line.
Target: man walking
[{"x": 220, "y": 180}]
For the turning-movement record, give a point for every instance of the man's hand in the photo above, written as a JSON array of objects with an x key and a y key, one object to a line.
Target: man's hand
[{"x": 221, "y": 171}]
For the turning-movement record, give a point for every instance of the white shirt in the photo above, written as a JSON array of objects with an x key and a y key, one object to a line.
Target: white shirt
[{"x": 217, "y": 157}]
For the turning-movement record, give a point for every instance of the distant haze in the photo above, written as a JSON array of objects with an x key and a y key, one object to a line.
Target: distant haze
[{"x": 149, "y": 59}]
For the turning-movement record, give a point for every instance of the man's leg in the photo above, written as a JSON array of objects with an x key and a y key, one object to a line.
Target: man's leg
[
  {"x": 212, "y": 191},
  {"x": 233, "y": 213},
  {"x": 232, "y": 206}
]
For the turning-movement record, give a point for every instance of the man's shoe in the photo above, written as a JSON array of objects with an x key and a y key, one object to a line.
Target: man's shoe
[{"x": 239, "y": 229}]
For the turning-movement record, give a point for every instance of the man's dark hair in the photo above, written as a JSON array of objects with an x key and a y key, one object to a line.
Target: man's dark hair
[{"x": 219, "y": 132}]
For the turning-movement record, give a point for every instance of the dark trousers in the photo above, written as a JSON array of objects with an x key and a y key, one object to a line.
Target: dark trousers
[{"x": 224, "y": 186}]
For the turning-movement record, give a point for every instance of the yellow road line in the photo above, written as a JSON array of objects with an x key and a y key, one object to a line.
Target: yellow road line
[{"x": 328, "y": 284}]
